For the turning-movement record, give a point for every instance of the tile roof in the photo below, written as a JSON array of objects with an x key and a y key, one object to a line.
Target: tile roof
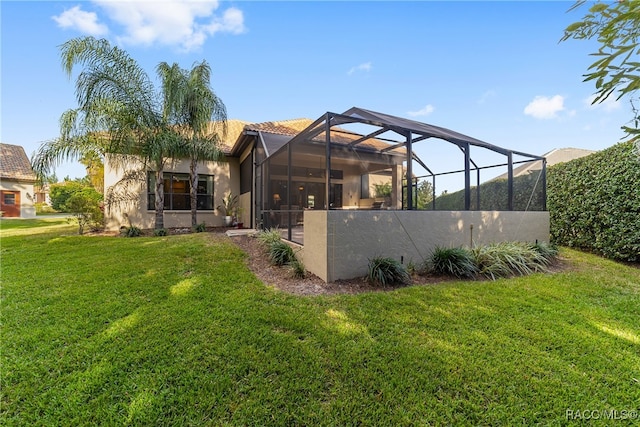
[
  {"x": 234, "y": 129},
  {"x": 285, "y": 127},
  {"x": 14, "y": 163}
]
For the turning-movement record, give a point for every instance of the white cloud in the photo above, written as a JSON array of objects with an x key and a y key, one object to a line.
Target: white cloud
[
  {"x": 428, "y": 109},
  {"x": 543, "y": 107},
  {"x": 610, "y": 104},
  {"x": 366, "y": 67},
  {"x": 78, "y": 19},
  {"x": 182, "y": 23}
]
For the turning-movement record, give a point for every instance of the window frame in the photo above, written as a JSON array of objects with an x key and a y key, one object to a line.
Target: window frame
[{"x": 170, "y": 196}]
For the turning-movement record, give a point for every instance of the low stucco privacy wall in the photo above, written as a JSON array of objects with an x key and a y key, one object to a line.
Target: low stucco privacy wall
[{"x": 338, "y": 244}]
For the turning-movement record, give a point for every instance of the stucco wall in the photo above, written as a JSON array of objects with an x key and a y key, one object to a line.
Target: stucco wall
[
  {"x": 314, "y": 253},
  {"x": 338, "y": 244},
  {"x": 27, "y": 195},
  {"x": 226, "y": 178}
]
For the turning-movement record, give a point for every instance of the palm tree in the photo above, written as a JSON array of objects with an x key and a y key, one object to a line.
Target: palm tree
[
  {"x": 199, "y": 113},
  {"x": 119, "y": 114}
]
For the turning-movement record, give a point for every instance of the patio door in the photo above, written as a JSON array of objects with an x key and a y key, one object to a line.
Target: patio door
[{"x": 10, "y": 203}]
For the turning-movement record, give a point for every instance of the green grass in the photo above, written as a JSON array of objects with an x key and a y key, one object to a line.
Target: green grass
[
  {"x": 176, "y": 331},
  {"x": 26, "y": 227}
]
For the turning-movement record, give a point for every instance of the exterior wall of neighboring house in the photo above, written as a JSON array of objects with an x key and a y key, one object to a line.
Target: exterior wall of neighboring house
[
  {"x": 16, "y": 183},
  {"x": 42, "y": 194},
  {"x": 122, "y": 201},
  {"x": 338, "y": 244},
  {"x": 16, "y": 199}
]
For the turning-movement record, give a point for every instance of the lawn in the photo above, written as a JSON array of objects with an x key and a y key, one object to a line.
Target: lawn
[{"x": 177, "y": 331}]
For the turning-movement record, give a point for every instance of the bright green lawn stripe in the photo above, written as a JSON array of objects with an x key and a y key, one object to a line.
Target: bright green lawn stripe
[{"x": 176, "y": 331}]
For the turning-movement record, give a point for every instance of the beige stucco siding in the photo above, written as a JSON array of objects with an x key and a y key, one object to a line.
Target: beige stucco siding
[
  {"x": 27, "y": 195},
  {"x": 226, "y": 179},
  {"x": 338, "y": 244}
]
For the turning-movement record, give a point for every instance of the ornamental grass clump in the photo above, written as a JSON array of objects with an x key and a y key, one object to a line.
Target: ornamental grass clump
[
  {"x": 267, "y": 237},
  {"x": 387, "y": 271},
  {"x": 296, "y": 268},
  {"x": 547, "y": 250},
  {"x": 511, "y": 258},
  {"x": 458, "y": 262},
  {"x": 280, "y": 253}
]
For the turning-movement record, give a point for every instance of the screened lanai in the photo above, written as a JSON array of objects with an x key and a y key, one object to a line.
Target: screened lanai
[{"x": 365, "y": 160}]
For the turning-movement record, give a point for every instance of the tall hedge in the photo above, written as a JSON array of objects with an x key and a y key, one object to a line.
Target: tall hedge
[
  {"x": 494, "y": 195},
  {"x": 594, "y": 202}
]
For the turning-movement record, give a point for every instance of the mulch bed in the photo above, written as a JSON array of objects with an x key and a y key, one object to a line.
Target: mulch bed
[{"x": 280, "y": 278}]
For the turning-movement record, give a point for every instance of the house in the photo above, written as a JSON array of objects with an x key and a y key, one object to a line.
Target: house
[
  {"x": 315, "y": 181},
  {"x": 16, "y": 183},
  {"x": 42, "y": 194},
  {"x": 555, "y": 156}
]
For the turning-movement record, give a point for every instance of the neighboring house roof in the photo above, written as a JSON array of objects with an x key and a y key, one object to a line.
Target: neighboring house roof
[
  {"x": 561, "y": 155},
  {"x": 555, "y": 156},
  {"x": 14, "y": 163}
]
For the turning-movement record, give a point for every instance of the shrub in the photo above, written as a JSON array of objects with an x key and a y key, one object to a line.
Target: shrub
[
  {"x": 84, "y": 207},
  {"x": 387, "y": 271},
  {"x": 594, "y": 202},
  {"x": 280, "y": 253},
  {"x": 509, "y": 258},
  {"x": 43, "y": 208},
  {"x": 61, "y": 192},
  {"x": 131, "y": 231},
  {"x": 160, "y": 232},
  {"x": 200, "y": 228},
  {"x": 458, "y": 262}
]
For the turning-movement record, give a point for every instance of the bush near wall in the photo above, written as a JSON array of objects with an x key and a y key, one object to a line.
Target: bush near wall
[
  {"x": 594, "y": 202},
  {"x": 494, "y": 195}
]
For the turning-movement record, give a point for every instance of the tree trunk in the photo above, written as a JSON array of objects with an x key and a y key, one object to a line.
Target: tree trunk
[
  {"x": 159, "y": 198},
  {"x": 193, "y": 191}
]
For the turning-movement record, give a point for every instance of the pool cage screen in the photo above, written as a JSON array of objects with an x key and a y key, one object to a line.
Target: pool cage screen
[{"x": 362, "y": 159}]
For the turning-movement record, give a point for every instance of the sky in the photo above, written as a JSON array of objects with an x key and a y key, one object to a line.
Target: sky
[{"x": 495, "y": 71}]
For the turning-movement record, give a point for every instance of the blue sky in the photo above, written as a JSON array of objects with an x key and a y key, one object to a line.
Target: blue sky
[{"x": 492, "y": 70}]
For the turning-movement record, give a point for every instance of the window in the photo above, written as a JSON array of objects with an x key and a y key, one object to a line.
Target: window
[
  {"x": 9, "y": 199},
  {"x": 177, "y": 189}
]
